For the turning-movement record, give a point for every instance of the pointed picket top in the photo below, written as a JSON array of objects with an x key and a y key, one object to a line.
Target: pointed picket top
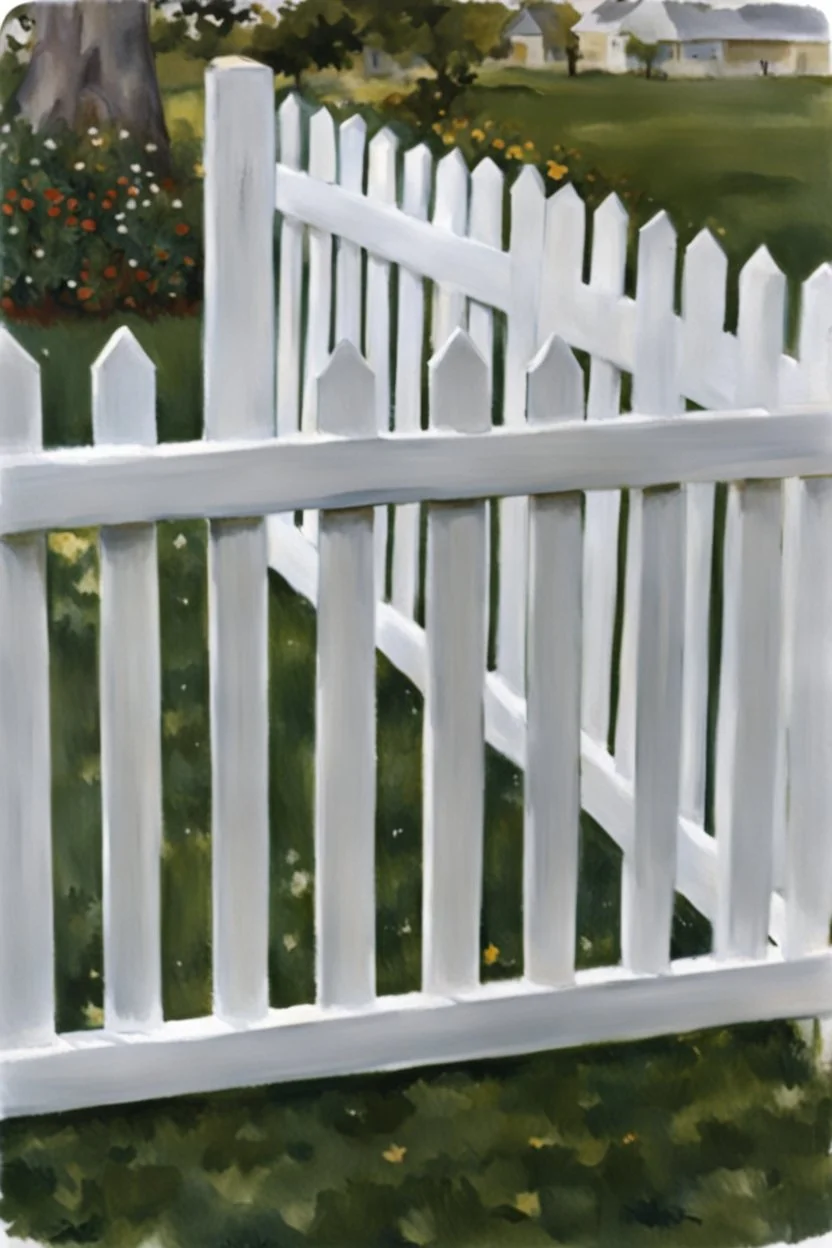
[
  {"x": 352, "y": 140},
  {"x": 288, "y": 129},
  {"x": 486, "y": 213},
  {"x": 567, "y": 198},
  {"x": 528, "y": 185},
  {"x": 658, "y": 232},
  {"x": 383, "y": 146},
  {"x": 555, "y": 384},
  {"x": 487, "y": 173},
  {"x": 656, "y": 264},
  {"x": 451, "y": 207},
  {"x": 353, "y": 130},
  {"x": 381, "y": 177},
  {"x": 761, "y": 330},
  {"x": 459, "y": 387},
  {"x": 563, "y": 260},
  {"x": 346, "y": 393},
  {"x": 21, "y": 425},
  {"x": 609, "y": 245},
  {"x": 761, "y": 272},
  {"x": 418, "y": 164},
  {"x": 124, "y": 393},
  {"x": 566, "y": 222},
  {"x": 703, "y": 247},
  {"x": 703, "y": 281},
  {"x": 815, "y": 345},
  {"x": 322, "y": 160}
]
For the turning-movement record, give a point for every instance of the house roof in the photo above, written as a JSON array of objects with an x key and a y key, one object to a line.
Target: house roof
[
  {"x": 680, "y": 21},
  {"x": 524, "y": 24}
]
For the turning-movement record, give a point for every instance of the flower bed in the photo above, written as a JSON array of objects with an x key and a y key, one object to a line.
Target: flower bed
[{"x": 96, "y": 223}]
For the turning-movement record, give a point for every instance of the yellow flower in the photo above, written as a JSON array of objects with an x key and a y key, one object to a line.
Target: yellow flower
[
  {"x": 489, "y": 125},
  {"x": 629, "y": 1138},
  {"x": 720, "y": 229},
  {"x": 528, "y": 1203},
  {"x": 199, "y": 170},
  {"x": 460, "y": 123},
  {"x": 529, "y": 146},
  {"x": 394, "y": 1154},
  {"x": 69, "y": 546},
  {"x": 479, "y": 135},
  {"x": 540, "y": 1141},
  {"x": 515, "y": 152},
  {"x": 556, "y": 171},
  {"x": 437, "y": 126},
  {"x": 447, "y": 139},
  {"x": 490, "y": 955},
  {"x": 499, "y": 143}
]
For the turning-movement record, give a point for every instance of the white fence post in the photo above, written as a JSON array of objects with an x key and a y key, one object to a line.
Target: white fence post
[
  {"x": 408, "y": 406},
  {"x": 750, "y": 719},
  {"x": 345, "y": 729},
  {"x": 352, "y": 142},
  {"x": 124, "y": 411},
  {"x": 455, "y": 633},
  {"x": 27, "y": 1003},
  {"x": 288, "y": 379},
  {"x": 450, "y": 212},
  {"x": 528, "y": 207},
  {"x": 553, "y": 735},
  {"x": 239, "y": 402}
]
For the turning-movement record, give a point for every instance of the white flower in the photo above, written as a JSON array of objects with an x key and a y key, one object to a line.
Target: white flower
[
  {"x": 3, "y": 147},
  {"x": 44, "y": 351},
  {"x": 97, "y": 142},
  {"x": 50, "y": 144},
  {"x": 292, "y": 857},
  {"x": 6, "y": 129},
  {"x": 34, "y": 162},
  {"x": 134, "y": 264},
  {"x": 14, "y": 230},
  {"x": 131, "y": 205},
  {"x": 150, "y": 173},
  {"x": 28, "y": 279},
  {"x": 135, "y": 168},
  {"x": 119, "y": 216},
  {"x": 177, "y": 203},
  {"x": 290, "y": 942},
  {"x": 145, "y": 203},
  {"x": 71, "y": 284},
  {"x": 79, "y": 164},
  {"x": 171, "y": 294},
  {"x": 39, "y": 253},
  {"x": 92, "y": 130},
  {"x": 154, "y": 188},
  {"x": 121, "y": 229},
  {"x": 300, "y": 883},
  {"x": 150, "y": 147},
  {"x": 124, "y": 134},
  {"x": 180, "y": 542}
]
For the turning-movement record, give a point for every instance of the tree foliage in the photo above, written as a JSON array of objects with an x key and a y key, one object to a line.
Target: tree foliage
[
  {"x": 645, "y": 53},
  {"x": 309, "y": 34}
]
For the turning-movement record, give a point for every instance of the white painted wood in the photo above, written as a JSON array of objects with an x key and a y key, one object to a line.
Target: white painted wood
[
  {"x": 528, "y": 207},
  {"x": 322, "y": 166},
  {"x": 655, "y": 391},
  {"x": 345, "y": 729},
  {"x": 27, "y": 1003},
  {"x": 563, "y": 259},
  {"x": 454, "y": 748},
  {"x": 130, "y": 678},
  {"x": 86, "y": 486},
  {"x": 703, "y": 316},
  {"x": 239, "y": 402},
  {"x": 450, "y": 213},
  {"x": 408, "y": 406},
  {"x": 436, "y": 251},
  {"x": 352, "y": 142},
  {"x": 486, "y": 226},
  {"x": 649, "y": 872},
  {"x": 809, "y": 841},
  {"x": 605, "y": 795},
  {"x": 289, "y": 341},
  {"x": 602, "y": 510},
  {"x": 749, "y": 729},
  {"x": 496, "y": 1020},
  {"x": 381, "y": 185},
  {"x": 553, "y": 698}
]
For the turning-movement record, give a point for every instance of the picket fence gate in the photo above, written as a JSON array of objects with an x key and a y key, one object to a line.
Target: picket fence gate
[{"x": 558, "y": 463}]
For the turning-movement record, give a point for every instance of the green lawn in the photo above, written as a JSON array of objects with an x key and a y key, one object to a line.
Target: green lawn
[{"x": 720, "y": 1139}]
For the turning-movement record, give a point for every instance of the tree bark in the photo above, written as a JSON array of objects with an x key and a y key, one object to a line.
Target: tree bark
[{"x": 93, "y": 65}]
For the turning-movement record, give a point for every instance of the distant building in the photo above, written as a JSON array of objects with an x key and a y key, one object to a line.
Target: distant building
[
  {"x": 695, "y": 40},
  {"x": 525, "y": 34}
]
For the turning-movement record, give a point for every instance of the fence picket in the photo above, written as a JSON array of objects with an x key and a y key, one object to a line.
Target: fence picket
[
  {"x": 528, "y": 209},
  {"x": 27, "y": 1004},
  {"x": 655, "y": 393},
  {"x": 322, "y": 165},
  {"x": 124, "y": 411},
  {"x": 454, "y": 748},
  {"x": 408, "y": 406},
  {"x": 345, "y": 786},
  {"x": 352, "y": 141},
  {"x": 239, "y": 402},
  {"x": 381, "y": 186},
  {"x": 602, "y": 509},
  {"x": 703, "y": 315},
  {"x": 290, "y": 283},
  {"x": 553, "y": 735},
  {"x": 486, "y": 226},
  {"x": 450, "y": 212},
  {"x": 750, "y": 708}
]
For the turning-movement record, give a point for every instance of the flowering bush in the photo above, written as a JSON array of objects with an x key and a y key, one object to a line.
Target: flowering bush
[{"x": 97, "y": 222}]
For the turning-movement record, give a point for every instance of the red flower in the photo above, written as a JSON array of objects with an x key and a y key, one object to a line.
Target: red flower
[
  {"x": 162, "y": 255},
  {"x": 189, "y": 260},
  {"x": 130, "y": 302},
  {"x": 7, "y": 303},
  {"x": 122, "y": 181},
  {"x": 105, "y": 203},
  {"x": 53, "y": 212},
  {"x": 12, "y": 194},
  {"x": 168, "y": 184},
  {"x": 111, "y": 194},
  {"x": 142, "y": 275},
  {"x": 27, "y": 204},
  {"x": 8, "y": 210},
  {"x": 72, "y": 204},
  {"x": 85, "y": 292},
  {"x": 91, "y": 195},
  {"x": 111, "y": 271},
  {"x": 72, "y": 221},
  {"x": 53, "y": 195},
  {"x": 89, "y": 225},
  {"x": 182, "y": 228}
]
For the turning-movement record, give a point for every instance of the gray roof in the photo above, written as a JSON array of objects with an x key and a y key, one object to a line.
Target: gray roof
[
  {"x": 788, "y": 23},
  {"x": 524, "y": 24}
]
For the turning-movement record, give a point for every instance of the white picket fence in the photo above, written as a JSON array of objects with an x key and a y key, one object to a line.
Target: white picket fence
[{"x": 342, "y": 470}]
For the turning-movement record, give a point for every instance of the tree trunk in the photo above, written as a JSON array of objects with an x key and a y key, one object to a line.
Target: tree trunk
[
  {"x": 572, "y": 61},
  {"x": 93, "y": 65}
]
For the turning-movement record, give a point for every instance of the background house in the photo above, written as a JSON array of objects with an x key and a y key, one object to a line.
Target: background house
[
  {"x": 525, "y": 34},
  {"x": 695, "y": 40}
]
